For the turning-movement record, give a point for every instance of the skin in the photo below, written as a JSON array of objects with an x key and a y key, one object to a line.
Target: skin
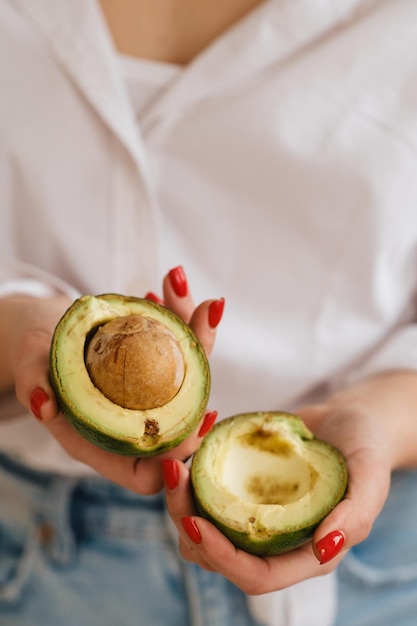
[{"x": 173, "y": 31}]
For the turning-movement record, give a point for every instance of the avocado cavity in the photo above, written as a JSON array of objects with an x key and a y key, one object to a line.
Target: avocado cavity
[{"x": 266, "y": 482}]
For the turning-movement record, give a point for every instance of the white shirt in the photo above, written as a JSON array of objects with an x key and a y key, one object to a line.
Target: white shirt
[
  {"x": 145, "y": 81},
  {"x": 279, "y": 168}
]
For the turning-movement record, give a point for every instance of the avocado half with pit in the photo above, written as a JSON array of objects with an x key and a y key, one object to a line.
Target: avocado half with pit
[
  {"x": 128, "y": 374},
  {"x": 266, "y": 482}
]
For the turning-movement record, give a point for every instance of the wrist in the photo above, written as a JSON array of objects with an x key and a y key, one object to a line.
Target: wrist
[
  {"x": 20, "y": 315},
  {"x": 388, "y": 401}
]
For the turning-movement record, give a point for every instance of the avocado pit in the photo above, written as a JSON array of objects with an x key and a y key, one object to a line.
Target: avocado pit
[{"x": 136, "y": 362}]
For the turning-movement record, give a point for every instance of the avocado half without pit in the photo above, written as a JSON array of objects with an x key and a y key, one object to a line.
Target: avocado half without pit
[
  {"x": 266, "y": 482},
  {"x": 128, "y": 374}
]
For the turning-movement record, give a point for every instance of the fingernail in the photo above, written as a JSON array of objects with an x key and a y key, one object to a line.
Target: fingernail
[
  {"x": 170, "y": 473},
  {"x": 153, "y": 297},
  {"x": 178, "y": 281},
  {"x": 190, "y": 527},
  {"x": 328, "y": 547},
  {"x": 208, "y": 422},
  {"x": 215, "y": 312},
  {"x": 38, "y": 398}
]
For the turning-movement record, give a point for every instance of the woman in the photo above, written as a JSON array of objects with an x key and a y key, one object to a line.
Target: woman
[{"x": 268, "y": 148}]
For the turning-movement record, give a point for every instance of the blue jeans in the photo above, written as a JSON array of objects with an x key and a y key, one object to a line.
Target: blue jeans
[
  {"x": 377, "y": 581},
  {"x": 87, "y": 553}
]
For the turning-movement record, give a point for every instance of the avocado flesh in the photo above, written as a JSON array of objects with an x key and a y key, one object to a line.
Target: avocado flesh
[
  {"x": 108, "y": 425},
  {"x": 266, "y": 482}
]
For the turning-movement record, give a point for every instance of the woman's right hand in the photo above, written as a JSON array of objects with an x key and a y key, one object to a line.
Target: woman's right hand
[{"x": 27, "y": 327}]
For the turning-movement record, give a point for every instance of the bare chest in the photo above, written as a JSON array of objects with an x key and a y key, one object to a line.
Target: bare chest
[{"x": 172, "y": 31}]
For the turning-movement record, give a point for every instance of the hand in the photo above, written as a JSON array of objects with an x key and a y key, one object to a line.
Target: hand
[
  {"x": 29, "y": 352},
  {"x": 373, "y": 424}
]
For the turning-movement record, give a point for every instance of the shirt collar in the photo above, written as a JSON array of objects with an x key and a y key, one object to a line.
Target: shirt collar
[
  {"x": 77, "y": 35},
  {"x": 270, "y": 34}
]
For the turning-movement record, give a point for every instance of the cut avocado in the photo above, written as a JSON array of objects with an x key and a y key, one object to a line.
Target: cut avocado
[
  {"x": 93, "y": 341},
  {"x": 266, "y": 482}
]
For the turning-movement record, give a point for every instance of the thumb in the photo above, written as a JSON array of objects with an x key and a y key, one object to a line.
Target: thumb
[
  {"x": 351, "y": 521},
  {"x": 356, "y": 434},
  {"x": 31, "y": 366}
]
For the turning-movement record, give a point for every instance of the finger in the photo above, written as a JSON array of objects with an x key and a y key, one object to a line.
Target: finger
[
  {"x": 204, "y": 321},
  {"x": 154, "y": 298},
  {"x": 31, "y": 365},
  {"x": 312, "y": 415},
  {"x": 181, "y": 506},
  {"x": 187, "y": 448},
  {"x": 189, "y": 555},
  {"x": 179, "y": 499},
  {"x": 351, "y": 521},
  {"x": 177, "y": 296},
  {"x": 253, "y": 574},
  {"x": 364, "y": 448}
]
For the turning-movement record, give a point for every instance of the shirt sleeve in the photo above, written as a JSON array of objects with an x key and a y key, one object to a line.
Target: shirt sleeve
[
  {"x": 18, "y": 277},
  {"x": 398, "y": 351}
]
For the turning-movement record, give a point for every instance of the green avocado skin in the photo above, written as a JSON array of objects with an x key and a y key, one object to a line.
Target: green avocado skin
[
  {"x": 111, "y": 440},
  {"x": 270, "y": 542},
  {"x": 276, "y": 544}
]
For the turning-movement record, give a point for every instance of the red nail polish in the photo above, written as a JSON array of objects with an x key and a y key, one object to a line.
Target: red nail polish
[
  {"x": 215, "y": 312},
  {"x": 153, "y": 297},
  {"x": 178, "y": 281},
  {"x": 170, "y": 473},
  {"x": 208, "y": 422},
  {"x": 38, "y": 398},
  {"x": 328, "y": 547},
  {"x": 190, "y": 527}
]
